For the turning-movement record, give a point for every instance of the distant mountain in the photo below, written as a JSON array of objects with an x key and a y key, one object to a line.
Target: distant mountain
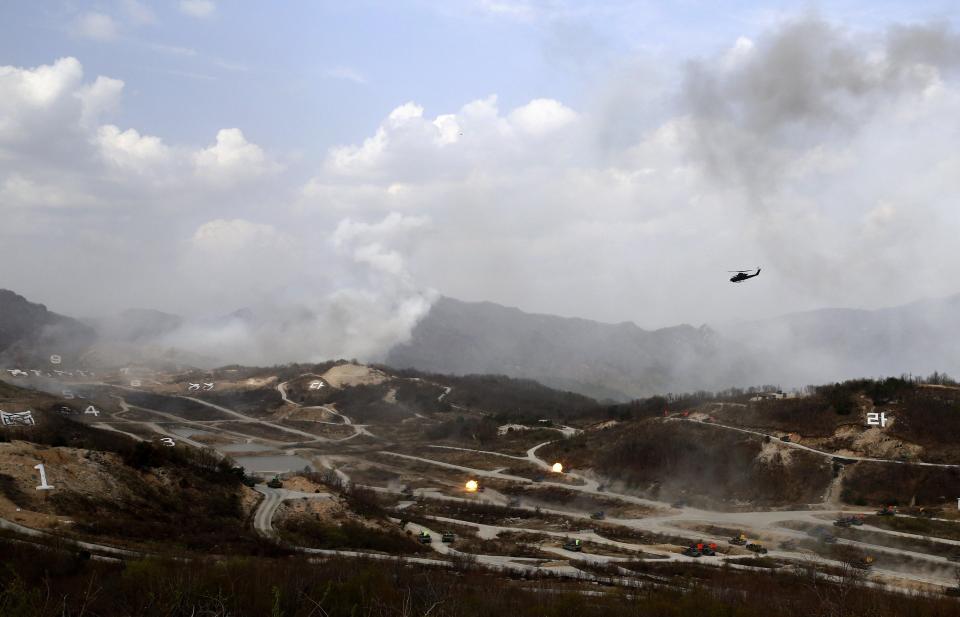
[
  {"x": 621, "y": 361},
  {"x": 30, "y": 334},
  {"x": 615, "y": 361},
  {"x": 604, "y": 361},
  {"x": 835, "y": 344},
  {"x": 136, "y": 325}
]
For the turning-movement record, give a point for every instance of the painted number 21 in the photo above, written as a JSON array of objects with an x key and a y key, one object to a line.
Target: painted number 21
[{"x": 43, "y": 478}]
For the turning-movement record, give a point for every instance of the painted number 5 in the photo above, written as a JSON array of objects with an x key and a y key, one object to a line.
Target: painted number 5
[{"x": 43, "y": 478}]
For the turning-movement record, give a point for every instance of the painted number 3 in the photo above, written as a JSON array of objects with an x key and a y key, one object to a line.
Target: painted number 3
[{"x": 43, "y": 478}]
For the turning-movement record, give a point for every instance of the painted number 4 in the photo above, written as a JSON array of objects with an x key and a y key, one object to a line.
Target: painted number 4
[{"x": 43, "y": 478}]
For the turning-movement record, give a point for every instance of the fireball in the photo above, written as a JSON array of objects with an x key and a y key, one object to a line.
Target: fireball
[
  {"x": 472, "y": 486},
  {"x": 558, "y": 468}
]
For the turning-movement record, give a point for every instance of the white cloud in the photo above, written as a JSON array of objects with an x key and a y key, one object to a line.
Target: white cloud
[
  {"x": 39, "y": 86},
  {"x": 130, "y": 150},
  {"x": 408, "y": 144},
  {"x": 448, "y": 127},
  {"x": 138, "y": 12},
  {"x": 737, "y": 54},
  {"x": 198, "y": 8},
  {"x": 173, "y": 50},
  {"x": 232, "y": 158},
  {"x": 103, "y": 95},
  {"x": 347, "y": 74},
  {"x": 96, "y": 26},
  {"x": 33, "y": 101},
  {"x": 229, "y": 238},
  {"x": 542, "y": 116}
]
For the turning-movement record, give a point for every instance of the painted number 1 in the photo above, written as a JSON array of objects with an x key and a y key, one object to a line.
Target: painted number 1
[{"x": 43, "y": 478}]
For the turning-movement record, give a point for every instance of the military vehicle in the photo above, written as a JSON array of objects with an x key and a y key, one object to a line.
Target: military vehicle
[
  {"x": 573, "y": 545},
  {"x": 847, "y": 521},
  {"x": 598, "y": 516},
  {"x": 757, "y": 548},
  {"x": 740, "y": 540},
  {"x": 691, "y": 551},
  {"x": 424, "y": 538},
  {"x": 448, "y": 537}
]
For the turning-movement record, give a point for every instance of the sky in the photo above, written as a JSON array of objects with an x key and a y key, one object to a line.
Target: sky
[{"x": 354, "y": 161}]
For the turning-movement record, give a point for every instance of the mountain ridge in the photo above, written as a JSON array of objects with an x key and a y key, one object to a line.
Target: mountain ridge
[{"x": 623, "y": 360}]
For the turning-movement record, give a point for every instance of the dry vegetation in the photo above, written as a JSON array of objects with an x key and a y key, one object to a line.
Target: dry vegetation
[
  {"x": 671, "y": 460},
  {"x": 44, "y": 583},
  {"x": 881, "y": 483}
]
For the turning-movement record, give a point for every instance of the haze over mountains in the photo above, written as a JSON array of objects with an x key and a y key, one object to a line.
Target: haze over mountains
[
  {"x": 622, "y": 360},
  {"x": 605, "y": 361}
]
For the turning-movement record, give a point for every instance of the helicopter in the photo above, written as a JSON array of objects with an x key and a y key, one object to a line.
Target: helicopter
[{"x": 742, "y": 275}]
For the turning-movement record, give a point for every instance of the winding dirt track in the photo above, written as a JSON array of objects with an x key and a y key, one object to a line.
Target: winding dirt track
[{"x": 673, "y": 522}]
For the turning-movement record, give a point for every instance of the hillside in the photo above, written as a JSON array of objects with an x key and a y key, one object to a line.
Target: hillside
[
  {"x": 814, "y": 449},
  {"x": 29, "y": 333}
]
